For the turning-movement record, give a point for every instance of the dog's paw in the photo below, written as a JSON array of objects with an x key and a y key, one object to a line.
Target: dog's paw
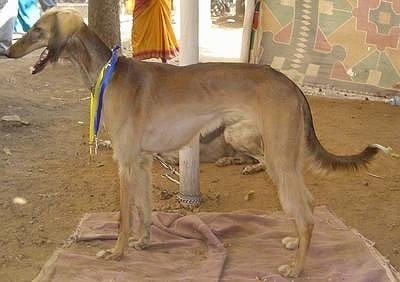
[
  {"x": 225, "y": 161},
  {"x": 290, "y": 243},
  {"x": 110, "y": 254},
  {"x": 140, "y": 244},
  {"x": 288, "y": 271},
  {"x": 252, "y": 169}
]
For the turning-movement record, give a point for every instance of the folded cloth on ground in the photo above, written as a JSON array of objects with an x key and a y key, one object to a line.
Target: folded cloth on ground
[{"x": 238, "y": 246}]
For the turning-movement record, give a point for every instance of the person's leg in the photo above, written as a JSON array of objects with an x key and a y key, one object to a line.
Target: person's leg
[
  {"x": 8, "y": 14},
  {"x": 47, "y": 4}
]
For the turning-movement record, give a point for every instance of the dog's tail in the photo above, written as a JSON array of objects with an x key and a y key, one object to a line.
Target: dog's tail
[{"x": 322, "y": 161}]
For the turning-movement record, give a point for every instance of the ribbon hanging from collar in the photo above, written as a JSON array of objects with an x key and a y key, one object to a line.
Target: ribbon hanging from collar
[{"x": 96, "y": 98}]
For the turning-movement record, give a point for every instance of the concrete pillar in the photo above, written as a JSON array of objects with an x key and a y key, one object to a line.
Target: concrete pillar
[
  {"x": 247, "y": 29},
  {"x": 189, "y": 195}
]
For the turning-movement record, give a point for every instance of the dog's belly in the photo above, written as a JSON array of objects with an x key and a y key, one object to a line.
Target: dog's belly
[{"x": 173, "y": 133}]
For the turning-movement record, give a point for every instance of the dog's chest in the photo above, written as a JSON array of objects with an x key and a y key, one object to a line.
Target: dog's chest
[{"x": 167, "y": 134}]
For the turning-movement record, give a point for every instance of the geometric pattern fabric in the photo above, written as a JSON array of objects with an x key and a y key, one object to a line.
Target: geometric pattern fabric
[{"x": 343, "y": 44}]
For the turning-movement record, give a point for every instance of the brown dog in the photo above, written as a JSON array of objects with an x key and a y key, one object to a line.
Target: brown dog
[
  {"x": 151, "y": 107},
  {"x": 234, "y": 140}
]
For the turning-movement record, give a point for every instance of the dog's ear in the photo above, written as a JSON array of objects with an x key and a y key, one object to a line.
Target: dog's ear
[
  {"x": 65, "y": 24},
  {"x": 69, "y": 22},
  {"x": 56, "y": 41}
]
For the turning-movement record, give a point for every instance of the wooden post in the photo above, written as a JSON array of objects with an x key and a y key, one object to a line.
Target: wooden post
[{"x": 189, "y": 195}]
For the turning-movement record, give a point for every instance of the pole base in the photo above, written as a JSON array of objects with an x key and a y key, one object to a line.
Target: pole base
[{"x": 189, "y": 201}]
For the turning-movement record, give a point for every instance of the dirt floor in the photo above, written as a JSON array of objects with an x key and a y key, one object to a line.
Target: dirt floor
[{"x": 46, "y": 162}]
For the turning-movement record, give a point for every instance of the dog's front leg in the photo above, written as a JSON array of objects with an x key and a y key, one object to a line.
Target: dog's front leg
[
  {"x": 126, "y": 173},
  {"x": 141, "y": 204}
]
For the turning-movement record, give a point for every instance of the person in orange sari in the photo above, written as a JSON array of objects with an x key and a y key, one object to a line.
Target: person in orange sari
[{"x": 152, "y": 33}]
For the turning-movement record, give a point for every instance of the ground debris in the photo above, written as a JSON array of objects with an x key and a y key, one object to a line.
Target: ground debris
[
  {"x": 13, "y": 120},
  {"x": 166, "y": 194},
  {"x": 7, "y": 151},
  {"x": 249, "y": 195}
]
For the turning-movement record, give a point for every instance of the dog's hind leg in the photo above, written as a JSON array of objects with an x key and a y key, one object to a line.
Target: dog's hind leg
[
  {"x": 297, "y": 202},
  {"x": 283, "y": 134}
]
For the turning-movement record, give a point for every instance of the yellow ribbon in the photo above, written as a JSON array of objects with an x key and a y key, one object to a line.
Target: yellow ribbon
[
  {"x": 96, "y": 98},
  {"x": 94, "y": 103}
]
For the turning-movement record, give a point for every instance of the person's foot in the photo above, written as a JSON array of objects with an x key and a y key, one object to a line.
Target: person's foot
[
  {"x": 17, "y": 35},
  {"x": 3, "y": 54}
]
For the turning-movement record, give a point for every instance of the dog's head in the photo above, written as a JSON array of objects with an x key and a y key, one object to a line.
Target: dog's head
[{"x": 53, "y": 31}]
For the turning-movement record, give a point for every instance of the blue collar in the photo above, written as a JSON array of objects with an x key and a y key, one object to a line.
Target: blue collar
[{"x": 96, "y": 97}]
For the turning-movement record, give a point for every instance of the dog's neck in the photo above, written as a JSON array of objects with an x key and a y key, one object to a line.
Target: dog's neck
[{"x": 90, "y": 53}]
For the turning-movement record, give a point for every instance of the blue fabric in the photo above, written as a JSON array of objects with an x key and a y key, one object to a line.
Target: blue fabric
[
  {"x": 106, "y": 79},
  {"x": 28, "y": 14}
]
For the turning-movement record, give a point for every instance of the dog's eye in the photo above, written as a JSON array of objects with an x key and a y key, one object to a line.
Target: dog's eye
[{"x": 36, "y": 33}]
